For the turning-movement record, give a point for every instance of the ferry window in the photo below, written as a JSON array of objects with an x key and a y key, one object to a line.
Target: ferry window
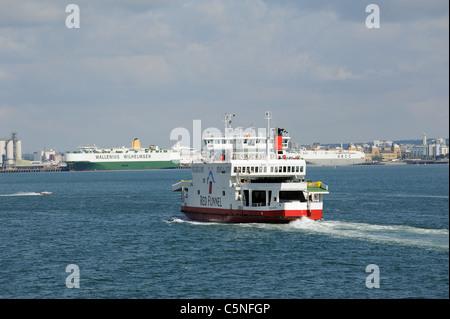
[
  {"x": 301, "y": 169},
  {"x": 284, "y": 169},
  {"x": 265, "y": 169},
  {"x": 297, "y": 169},
  {"x": 288, "y": 169},
  {"x": 246, "y": 197},
  {"x": 280, "y": 169},
  {"x": 258, "y": 198},
  {"x": 271, "y": 169},
  {"x": 235, "y": 169},
  {"x": 289, "y": 196},
  {"x": 256, "y": 169},
  {"x": 252, "y": 169}
]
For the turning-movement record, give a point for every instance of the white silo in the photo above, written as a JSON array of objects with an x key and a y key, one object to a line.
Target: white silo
[
  {"x": 2, "y": 150},
  {"x": 10, "y": 152},
  {"x": 18, "y": 150}
]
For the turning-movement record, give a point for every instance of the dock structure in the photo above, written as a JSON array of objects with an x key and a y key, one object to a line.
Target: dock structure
[{"x": 39, "y": 169}]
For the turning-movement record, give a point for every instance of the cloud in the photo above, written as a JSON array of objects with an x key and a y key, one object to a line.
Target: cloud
[
  {"x": 311, "y": 62},
  {"x": 30, "y": 13},
  {"x": 5, "y": 111},
  {"x": 130, "y": 71}
]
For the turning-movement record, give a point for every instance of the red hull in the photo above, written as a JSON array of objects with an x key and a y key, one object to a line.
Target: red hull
[{"x": 248, "y": 216}]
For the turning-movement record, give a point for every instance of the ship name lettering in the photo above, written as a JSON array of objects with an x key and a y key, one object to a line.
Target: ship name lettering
[
  {"x": 137, "y": 156},
  {"x": 106, "y": 156},
  {"x": 210, "y": 201}
]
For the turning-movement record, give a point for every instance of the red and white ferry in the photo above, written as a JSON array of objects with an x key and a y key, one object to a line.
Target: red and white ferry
[{"x": 247, "y": 177}]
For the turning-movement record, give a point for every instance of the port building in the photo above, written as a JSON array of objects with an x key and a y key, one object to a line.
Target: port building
[{"x": 10, "y": 151}]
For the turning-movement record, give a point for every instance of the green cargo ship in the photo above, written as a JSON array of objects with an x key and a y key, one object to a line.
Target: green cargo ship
[{"x": 94, "y": 158}]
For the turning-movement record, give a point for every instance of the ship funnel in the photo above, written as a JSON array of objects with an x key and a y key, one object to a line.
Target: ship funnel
[
  {"x": 136, "y": 143},
  {"x": 280, "y": 133}
]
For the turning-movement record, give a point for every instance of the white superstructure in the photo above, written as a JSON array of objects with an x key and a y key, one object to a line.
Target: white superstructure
[{"x": 247, "y": 177}]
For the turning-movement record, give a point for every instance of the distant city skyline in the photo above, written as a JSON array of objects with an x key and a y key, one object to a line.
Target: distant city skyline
[
  {"x": 416, "y": 140},
  {"x": 142, "y": 68}
]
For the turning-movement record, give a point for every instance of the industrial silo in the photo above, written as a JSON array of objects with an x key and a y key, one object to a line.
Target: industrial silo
[
  {"x": 2, "y": 151},
  {"x": 10, "y": 152},
  {"x": 18, "y": 150}
]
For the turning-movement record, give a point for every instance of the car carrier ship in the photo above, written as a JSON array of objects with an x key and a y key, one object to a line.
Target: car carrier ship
[
  {"x": 249, "y": 177},
  {"x": 91, "y": 158},
  {"x": 336, "y": 157}
]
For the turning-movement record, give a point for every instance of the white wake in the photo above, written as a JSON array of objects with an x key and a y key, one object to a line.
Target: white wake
[
  {"x": 22, "y": 194},
  {"x": 395, "y": 234},
  {"x": 389, "y": 234}
]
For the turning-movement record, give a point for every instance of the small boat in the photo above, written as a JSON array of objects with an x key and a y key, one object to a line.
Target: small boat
[{"x": 46, "y": 193}]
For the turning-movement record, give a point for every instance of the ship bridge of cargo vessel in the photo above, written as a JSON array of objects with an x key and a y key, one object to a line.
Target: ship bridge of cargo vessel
[{"x": 247, "y": 177}]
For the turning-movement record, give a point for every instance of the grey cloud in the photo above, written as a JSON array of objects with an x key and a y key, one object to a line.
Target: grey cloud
[{"x": 314, "y": 63}]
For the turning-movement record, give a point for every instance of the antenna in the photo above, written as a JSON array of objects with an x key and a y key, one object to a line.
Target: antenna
[
  {"x": 227, "y": 119},
  {"x": 268, "y": 117}
]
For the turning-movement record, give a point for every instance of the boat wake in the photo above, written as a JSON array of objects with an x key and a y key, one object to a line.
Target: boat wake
[
  {"x": 22, "y": 194},
  {"x": 184, "y": 219},
  {"x": 393, "y": 234},
  {"x": 389, "y": 234}
]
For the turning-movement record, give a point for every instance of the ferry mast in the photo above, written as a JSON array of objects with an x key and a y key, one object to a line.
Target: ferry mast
[{"x": 268, "y": 117}]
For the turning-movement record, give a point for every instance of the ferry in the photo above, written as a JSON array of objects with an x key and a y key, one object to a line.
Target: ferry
[
  {"x": 92, "y": 158},
  {"x": 335, "y": 157},
  {"x": 250, "y": 178}
]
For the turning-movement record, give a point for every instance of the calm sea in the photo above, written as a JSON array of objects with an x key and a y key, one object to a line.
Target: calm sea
[{"x": 128, "y": 239}]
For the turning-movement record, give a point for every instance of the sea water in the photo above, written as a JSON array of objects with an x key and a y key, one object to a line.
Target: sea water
[{"x": 126, "y": 236}]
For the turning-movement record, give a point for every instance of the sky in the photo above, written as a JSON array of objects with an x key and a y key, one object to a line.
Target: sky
[{"x": 140, "y": 69}]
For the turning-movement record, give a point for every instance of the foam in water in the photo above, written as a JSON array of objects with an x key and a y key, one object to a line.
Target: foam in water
[
  {"x": 185, "y": 219},
  {"x": 395, "y": 234},
  {"x": 389, "y": 234},
  {"x": 22, "y": 194}
]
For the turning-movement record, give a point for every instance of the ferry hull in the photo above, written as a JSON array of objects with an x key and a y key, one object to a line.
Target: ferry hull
[
  {"x": 104, "y": 166},
  {"x": 248, "y": 216}
]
